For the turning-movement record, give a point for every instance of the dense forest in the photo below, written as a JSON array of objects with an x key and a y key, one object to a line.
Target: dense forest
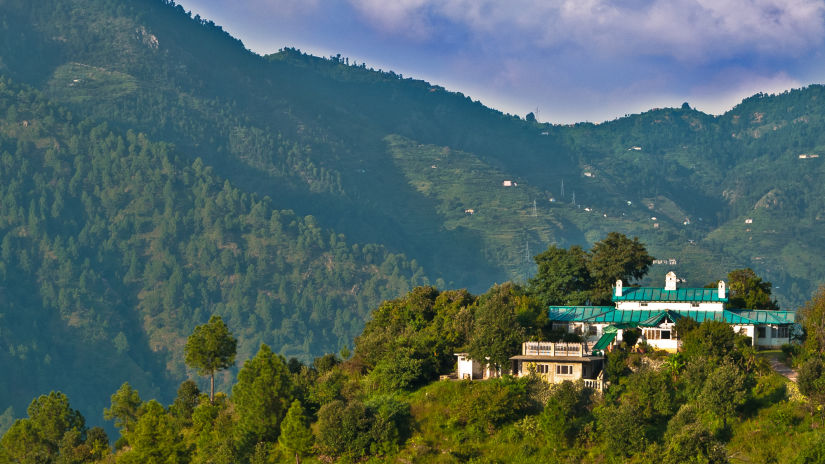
[
  {"x": 716, "y": 401},
  {"x": 113, "y": 249},
  {"x": 154, "y": 172}
]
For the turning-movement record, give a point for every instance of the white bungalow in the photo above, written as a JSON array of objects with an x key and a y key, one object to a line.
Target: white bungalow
[{"x": 656, "y": 310}]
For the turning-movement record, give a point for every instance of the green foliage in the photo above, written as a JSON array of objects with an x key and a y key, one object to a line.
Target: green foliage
[
  {"x": 490, "y": 404},
  {"x": 295, "y": 436},
  {"x": 565, "y": 414},
  {"x": 615, "y": 257},
  {"x": 52, "y": 433},
  {"x": 562, "y": 277},
  {"x": 343, "y": 429},
  {"x": 725, "y": 391},
  {"x": 574, "y": 277},
  {"x": 812, "y": 318},
  {"x": 155, "y": 439},
  {"x": 712, "y": 339},
  {"x": 124, "y": 409},
  {"x": 688, "y": 440},
  {"x": 497, "y": 334},
  {"x": 187, "y": 399},
  {"x": 621, "y": 429},
  {"x": 262, "y": 397},
  {"x": 615, "y": 366},
  {"x": 811, "y": 379},
  {"x": 213, "y": 427},
  {"x": 748, "y": 291},
  {"x": 211, "y": 348}
]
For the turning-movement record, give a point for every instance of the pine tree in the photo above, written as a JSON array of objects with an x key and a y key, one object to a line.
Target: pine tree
[{"x": 296, "y": 437}]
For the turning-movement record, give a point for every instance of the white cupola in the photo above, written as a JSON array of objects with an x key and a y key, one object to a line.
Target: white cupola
[
  {"x": 670, "y": 281},
  {"x": 619, "y": 287},
  {"x": 721, "y": 289}
]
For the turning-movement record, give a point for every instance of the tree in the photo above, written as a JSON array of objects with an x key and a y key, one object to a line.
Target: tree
[
  {"x": 154, "y": 440},
  {"x": 210, "y": 348},
  {"x": 261, "y": 396},
  {"x": 124, "y": 408},
  {"x": 613, "y": 258},
  {"x": 186, "y": 401},
  {"x": 712, "y": 339},
  {"x": 296, "y": 437},
  {"x": 562, "y": 277},
  {"x": 725, "y": 391},
  {"x": 52, "y": 430},
  {"x": 748, "y": 291},
  {"x": 496, "y": 331},
  {"x": 812, "y": 317},
  {"x": 689, "y": 440},
  {"x": 811, "y": 380}
]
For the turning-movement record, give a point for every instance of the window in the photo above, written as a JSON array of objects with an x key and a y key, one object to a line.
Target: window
[
  {"x": 784, "y": 332},
  {"x": 665, "y": 335},
  {"x": 760, "y": 332},
  {"x": 694, "y": 305},
  {"x": 564, "y": 370},
  {"x": 592, "y": 330},
  {"x": 774, "y": 332},
  {"x": 642, "y": 304},
  {"x": 543, "y": 369}
]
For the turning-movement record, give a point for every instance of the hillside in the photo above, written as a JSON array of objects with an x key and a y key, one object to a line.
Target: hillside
[
  {"x": 113, "y": 249},
  {"x": 210, "y": 179}
]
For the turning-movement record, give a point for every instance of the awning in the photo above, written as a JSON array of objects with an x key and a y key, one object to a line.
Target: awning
[{"x": 606, "y": 339}]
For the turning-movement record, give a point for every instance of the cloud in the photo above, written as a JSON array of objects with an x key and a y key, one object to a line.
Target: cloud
[{"x": 685, "y": 30}]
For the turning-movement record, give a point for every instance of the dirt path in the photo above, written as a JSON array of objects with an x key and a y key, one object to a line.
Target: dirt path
[{"x": 782, "y": 368}]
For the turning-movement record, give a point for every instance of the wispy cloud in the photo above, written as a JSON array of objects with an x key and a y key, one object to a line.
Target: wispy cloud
[
  {"x": 575, "y": 59},
  {"x": 689, "y": 30}
]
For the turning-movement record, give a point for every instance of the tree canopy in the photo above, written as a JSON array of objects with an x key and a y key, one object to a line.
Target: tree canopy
[
  {"x": 574, "y": 277},
  {"x": 211, "y": 348}
]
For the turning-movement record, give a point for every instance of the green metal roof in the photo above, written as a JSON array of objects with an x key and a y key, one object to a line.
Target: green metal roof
[
  {"x": 604, "y": 341},
  {"x": 652, "y": 317},
  {"x": 692, "y": 295},
  {"x": 576, "y": 313},
  {"x": 763, "y": 316}
]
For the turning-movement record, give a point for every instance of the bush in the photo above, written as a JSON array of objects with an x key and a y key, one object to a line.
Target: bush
[{"x": 492, "y": 403}]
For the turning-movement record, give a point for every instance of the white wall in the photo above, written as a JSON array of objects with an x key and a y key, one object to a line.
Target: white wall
[{"x": 661, "y": 306}]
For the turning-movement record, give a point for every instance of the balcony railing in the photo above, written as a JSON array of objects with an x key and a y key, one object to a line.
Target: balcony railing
[{"x": 552, "y": 349}]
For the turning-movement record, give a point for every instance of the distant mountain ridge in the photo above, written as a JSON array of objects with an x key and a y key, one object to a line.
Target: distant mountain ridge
[{"x": 381, "y": 159}]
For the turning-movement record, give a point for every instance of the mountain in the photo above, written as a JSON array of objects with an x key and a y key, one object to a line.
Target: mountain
[{"x": 291, "y": 193}]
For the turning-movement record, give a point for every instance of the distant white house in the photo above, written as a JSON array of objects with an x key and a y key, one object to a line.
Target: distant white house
[
  {"x": 749, "y": 221},
  {"x": 470, "y": 369}
]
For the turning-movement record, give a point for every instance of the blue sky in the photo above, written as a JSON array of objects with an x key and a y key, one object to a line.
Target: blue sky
[{"x": 573, "y": 60}]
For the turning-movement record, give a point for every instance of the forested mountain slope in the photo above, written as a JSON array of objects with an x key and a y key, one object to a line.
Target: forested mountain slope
[
  {"x": 323, "y": 136},
  {"x": 112, "y": 249},
  {"x": 370, "y": 154}
]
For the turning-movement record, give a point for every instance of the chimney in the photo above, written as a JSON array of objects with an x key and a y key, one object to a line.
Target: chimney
[
  {"x": 721, "y": 289},
  {"x": 670, "y": 281},
  {"x": 619, "y": 287}
]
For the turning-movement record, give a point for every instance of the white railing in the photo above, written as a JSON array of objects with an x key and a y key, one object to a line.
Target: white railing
[{"x": 552, "y": 349}]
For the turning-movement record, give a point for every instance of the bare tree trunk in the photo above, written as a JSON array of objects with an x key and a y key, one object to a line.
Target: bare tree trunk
[{"x": 212, "y": 388}]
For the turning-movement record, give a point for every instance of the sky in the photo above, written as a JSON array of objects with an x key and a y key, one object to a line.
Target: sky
[{"x": 564, "y": 60}]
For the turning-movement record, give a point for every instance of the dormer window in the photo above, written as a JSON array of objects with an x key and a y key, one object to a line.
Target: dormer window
[
  {"x": 642, "y": 304},
  {"x": 694, "y": 305}
]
